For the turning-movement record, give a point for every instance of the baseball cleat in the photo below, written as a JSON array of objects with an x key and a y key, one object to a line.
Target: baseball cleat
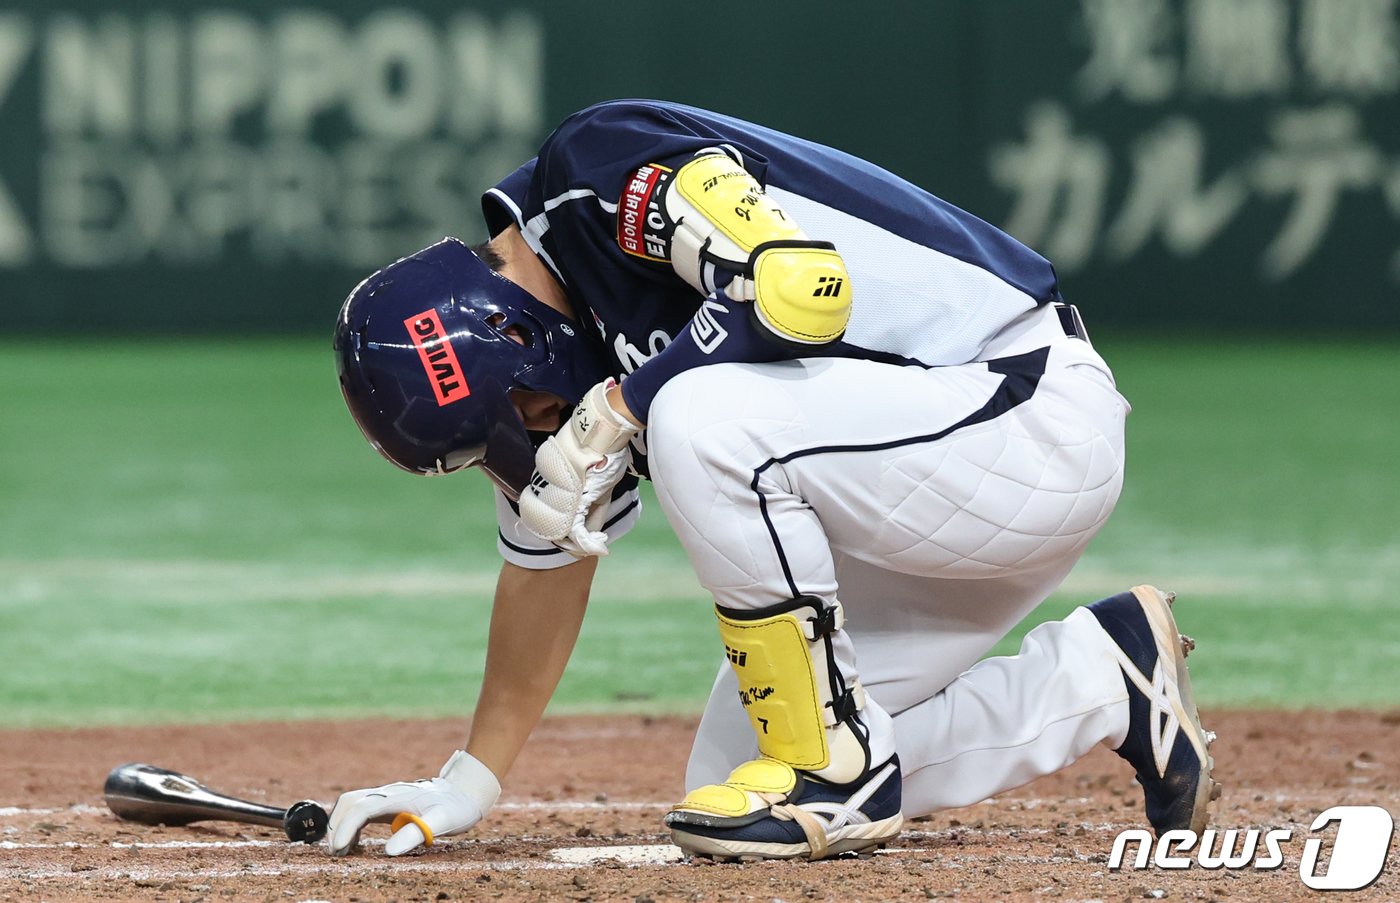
[
  {"x": 1166, "y": 744},
  {"x": 815, "y": 820}
]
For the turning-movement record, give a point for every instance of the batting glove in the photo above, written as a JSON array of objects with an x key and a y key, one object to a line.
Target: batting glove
[
  {"x": 418, "y": 811},
  {"x": 575, "y": 471}
]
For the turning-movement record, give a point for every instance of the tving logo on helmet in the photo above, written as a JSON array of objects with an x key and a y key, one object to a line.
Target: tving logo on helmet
[{"x": 439, "y": 360}]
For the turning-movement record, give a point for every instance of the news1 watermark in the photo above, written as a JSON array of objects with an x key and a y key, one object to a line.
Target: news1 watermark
[{"x": 1357, "y": 851}]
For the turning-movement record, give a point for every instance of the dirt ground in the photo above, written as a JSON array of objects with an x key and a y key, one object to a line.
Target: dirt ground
[{"x": 586, "y": 785}]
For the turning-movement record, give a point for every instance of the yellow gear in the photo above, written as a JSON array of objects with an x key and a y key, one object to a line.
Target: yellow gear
[
  {"x": 802, "y": 291},
  {"x": 778, "y": 687},
  {"x": 732, "y": 200},
  {"x": 731, "y": 799},
  {"x": 724, "y": 222}
]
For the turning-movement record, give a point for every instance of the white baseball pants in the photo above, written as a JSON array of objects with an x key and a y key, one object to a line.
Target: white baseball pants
[{"x": 940, "y": 506}]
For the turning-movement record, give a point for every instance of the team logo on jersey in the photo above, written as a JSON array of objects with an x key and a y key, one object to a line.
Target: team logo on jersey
[
  {"x": 438, "y": 359},
  {"x": 705, "y": 328},
  {"x": 642, "y": 227}
]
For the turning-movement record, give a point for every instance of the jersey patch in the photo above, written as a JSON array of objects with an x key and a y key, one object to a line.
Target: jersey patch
[{"x": 643, "y": 229}]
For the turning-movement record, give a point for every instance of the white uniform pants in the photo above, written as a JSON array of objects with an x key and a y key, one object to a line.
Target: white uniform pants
[{"x": 940, "y": 506}]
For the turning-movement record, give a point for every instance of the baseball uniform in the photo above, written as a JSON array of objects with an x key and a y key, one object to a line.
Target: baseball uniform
[{"x": 936, "y": 471}]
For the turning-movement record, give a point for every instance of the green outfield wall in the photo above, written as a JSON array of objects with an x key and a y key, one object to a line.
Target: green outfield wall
[{"x": 206, "y": 166}]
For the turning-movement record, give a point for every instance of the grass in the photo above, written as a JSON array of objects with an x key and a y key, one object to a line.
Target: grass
[{"x": 195, "y": 531}]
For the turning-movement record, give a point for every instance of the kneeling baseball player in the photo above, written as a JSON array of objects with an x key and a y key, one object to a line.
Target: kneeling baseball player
[{"x": 877, "y": 429}]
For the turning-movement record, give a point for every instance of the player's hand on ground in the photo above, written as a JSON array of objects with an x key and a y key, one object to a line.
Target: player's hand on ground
[
  {"x": 420, "y": 811},
  {"x": 575, "y": 472}
]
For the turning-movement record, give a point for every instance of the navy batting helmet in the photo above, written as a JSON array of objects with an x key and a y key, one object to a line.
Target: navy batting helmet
[{"x": 427, "y": 363}]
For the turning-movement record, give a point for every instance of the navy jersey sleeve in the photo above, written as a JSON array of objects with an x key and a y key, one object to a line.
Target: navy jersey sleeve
[{"x": 501, "y": 206}]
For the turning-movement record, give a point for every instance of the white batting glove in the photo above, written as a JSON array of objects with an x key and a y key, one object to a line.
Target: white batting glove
[
  {"x": 419, "y": 811},
  {"x": 575, "y": 471}
]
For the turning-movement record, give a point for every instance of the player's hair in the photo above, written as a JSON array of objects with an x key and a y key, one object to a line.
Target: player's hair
[{"x": 489, "y": 256}]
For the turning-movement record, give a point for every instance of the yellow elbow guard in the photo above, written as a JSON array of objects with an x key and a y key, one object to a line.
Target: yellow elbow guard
[
  {"x": 801, "y": 290},
  {"x": 730, "y": 235},
  {"x": 721, "y": 214}
]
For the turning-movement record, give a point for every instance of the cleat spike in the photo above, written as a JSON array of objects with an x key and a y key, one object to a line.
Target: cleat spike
[
  {"x": 1188, "y": 645},
  {"x": 1210, "y": 737},
  {"x": 1170, "y": 597},
  {"x": 1216, "y": 789}
]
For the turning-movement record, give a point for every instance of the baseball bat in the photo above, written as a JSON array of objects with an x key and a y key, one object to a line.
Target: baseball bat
[{"x": 157, "y": 796}]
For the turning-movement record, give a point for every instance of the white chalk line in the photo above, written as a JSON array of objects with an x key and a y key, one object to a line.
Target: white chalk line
[
  {"x": 329, "y": 867},
  {"x": 79, "y": 809},
  {"x": 528, "y": 806},
  {"x": 575, "y": 805},
  {"x": 558, "y": 858},
  {"x": 639, "y": 852},
  {"x": 154, "y": 845}
]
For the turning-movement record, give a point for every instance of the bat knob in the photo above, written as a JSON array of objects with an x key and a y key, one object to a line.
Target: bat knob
[{"x": 305, "y": 822}]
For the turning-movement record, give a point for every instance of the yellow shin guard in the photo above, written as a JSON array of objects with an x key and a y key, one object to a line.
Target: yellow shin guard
[
  {"x": 799, "y": 708},
  {"x": 778, "y": 683}
]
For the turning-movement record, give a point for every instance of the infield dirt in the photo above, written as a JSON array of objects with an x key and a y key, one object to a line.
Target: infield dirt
[{"x": 586, "y": 782}]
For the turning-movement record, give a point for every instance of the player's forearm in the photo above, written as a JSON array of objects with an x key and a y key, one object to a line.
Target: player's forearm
[
  {"x": 722, "y": 331},
  {"x": 535, "y": 621}
]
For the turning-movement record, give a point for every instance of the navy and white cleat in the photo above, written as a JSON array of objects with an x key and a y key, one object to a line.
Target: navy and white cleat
[
  {"x": 813, "y": 820},
  {"x": 1166, "y": 744}
]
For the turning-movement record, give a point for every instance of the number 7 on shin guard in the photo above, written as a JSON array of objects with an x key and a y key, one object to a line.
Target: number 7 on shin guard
[{"x": 791, "y": 688}]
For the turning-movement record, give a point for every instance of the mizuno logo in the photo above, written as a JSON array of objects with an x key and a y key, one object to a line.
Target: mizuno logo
[
  {"x": 712, "y": 181},
  {"x": 828, "y": 286},
  {"x": 438, "y": 359}
]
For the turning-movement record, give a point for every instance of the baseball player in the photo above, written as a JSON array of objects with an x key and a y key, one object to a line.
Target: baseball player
[{"x": 879, "y": 432}]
